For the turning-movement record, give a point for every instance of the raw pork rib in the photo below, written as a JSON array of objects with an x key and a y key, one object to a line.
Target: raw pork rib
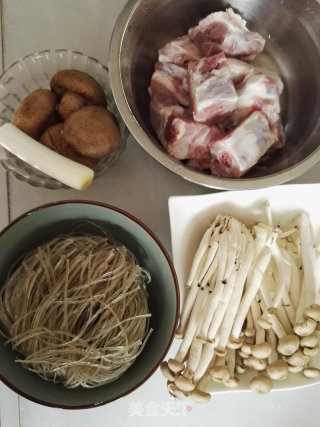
[
  {"x": 213, "y": 95},
  {"x": 239, "y": 150},
  {"x": 179, "y": 51},
  {"x": 180, "y": 135},
  {"x": 238, "y": 70},
  {"x": 189, "y": 140},
  {"x": 208, "y": 107},
  {"x": 169, "y": 85},
  {"x": 259, "y": 91},
  {"x": 161, "y": 119},
  {"x": 227, "y": 32}
]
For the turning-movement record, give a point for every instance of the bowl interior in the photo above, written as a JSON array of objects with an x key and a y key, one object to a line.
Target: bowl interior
[
  {"x": 292, "y": 34},
  {"x": 163, "y": 299},
  {"x": 34, "y": 72}
]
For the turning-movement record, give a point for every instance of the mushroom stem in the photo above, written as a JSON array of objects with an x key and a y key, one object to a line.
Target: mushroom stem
[
  {"x": 261, "y": 349},
  {"x": 288, "y": 343},
  {"x": 228, "y": 320},
  {"x": 197, "y": 312},
  {"x": 283, "y": 274},
  {"x": 253, "y": 283},
  {"x": 216, "y": 287},
  {"x": 233, "y": 381},
  {"x": 308, "y": 257},
  {"x": 296, "y": 276},
  {"x": 194, "y": 354},
  {"x": 219, "y": 372},
  {"x": 283, "y": 318},
  {"x": 237, "y": 243},
  {"x": 277, "y": 369},
  {"x": 207, "y": 357},
  {"x": 193, "y": 280}
]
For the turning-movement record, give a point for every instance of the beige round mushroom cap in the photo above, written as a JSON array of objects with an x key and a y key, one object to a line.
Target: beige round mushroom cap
[{"x": 92, "y": 131}]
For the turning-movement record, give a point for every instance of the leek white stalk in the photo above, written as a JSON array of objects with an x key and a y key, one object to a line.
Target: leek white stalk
[{"x": 38, "y": 156}]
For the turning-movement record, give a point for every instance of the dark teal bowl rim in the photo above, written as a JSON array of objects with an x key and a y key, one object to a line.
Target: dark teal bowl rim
[{"x": 176, "y": 285}]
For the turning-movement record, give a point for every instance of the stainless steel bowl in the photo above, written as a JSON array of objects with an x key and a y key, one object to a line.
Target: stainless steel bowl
[{"x": 292, "y": 31}]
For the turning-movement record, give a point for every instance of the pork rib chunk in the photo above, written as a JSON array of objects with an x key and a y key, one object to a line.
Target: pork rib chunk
[
  {"x": 179, "y": 51},
  {"x": 189, "y": 140},
  {"x": 161, "y": 119},
  {"x": 234, "y": 154},
  {"x": 169, "y": 86},
  {"x": 227, "y": 32},
  {"x": 238, "y": 70},
  {"x": 261, "y": 91},
  {"x": 212, "y": 92}
]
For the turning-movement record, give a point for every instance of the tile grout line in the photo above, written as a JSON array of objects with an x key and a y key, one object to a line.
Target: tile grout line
[
  {"x": 4, "y": 217},
  {"x": 10, "y": 415}
]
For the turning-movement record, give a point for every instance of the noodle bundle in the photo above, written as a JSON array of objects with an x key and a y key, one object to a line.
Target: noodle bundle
[{"x": 75, "y": 308}]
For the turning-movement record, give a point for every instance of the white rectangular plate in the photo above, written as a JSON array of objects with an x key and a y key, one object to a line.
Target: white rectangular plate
[{"x": 189, "y": 216}]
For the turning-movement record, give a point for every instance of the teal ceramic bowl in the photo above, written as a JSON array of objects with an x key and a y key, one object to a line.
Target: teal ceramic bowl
[{"x": 42, "y": 224}]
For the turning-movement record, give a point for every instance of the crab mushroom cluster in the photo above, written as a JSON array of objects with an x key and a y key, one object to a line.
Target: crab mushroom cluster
[
  {"x": 252, "y": 305},
  {"x": 71, "y": 118}
]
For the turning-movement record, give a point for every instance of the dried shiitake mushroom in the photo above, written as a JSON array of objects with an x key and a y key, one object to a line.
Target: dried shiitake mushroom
[
  {"x": 92, "y": 131},
  {"x": 35, "y": 112}
]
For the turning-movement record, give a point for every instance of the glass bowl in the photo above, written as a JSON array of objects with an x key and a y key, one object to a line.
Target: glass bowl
[{"x": 34, "y": 71}]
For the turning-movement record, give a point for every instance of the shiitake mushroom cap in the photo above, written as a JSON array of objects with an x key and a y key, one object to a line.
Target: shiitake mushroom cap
[
  {"x": 92, "y": 131},
  {"x": 35, "y": 112}
]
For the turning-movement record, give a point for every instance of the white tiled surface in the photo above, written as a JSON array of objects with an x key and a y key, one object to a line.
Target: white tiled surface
[{"x": 33, "y": 25}]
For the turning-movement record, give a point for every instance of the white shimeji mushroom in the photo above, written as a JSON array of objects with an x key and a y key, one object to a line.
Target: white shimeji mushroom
[
  {"x": 207, "y": 357},
  {"x": 305, "y": 328},
  {"x": 233, "y": 381},
  {"x": 312, "y": 312},
  {"x": 249, "y": 331},
  {"x": 261, "y": 349},
  {"x": 200, "y": 396},
  {"x": 310, "y": 351},
  {"x": 295, "y": 369},
  {"x": 287, "y": 344},
  {"x": 311, "y": 372},
  {"x": 246, "y": 257},
  {"x": 239, "y": 366},
  {"x": 310, "y": 341},
  {"x": 205, "y": 253},
  {"x": 310, "y": 288},
  {"x": 296, "y": 278},
  {"x": 232, "y": 269},
  {"x": 261, "y": 384},
  {"x": 202, "y": 379},
  {"x": 219, "y": 372},
  {"x": 252, "y": 302},
  {"x": 255, "y": 363},
  {"x": 185, "y": 381},
  {"x": 253, "y": 283},
  {"x": 226, "y": 264},
  {"x": 283, "y": 273},
  {"x": 308, "y": 257},
  {"x": 176, "y": 392},
  {"x": 298, "y": 359},
  {"x": 166, "y": 372},
  {"x": 277, "y": 368},
  {"x": 175, "y": 366}
]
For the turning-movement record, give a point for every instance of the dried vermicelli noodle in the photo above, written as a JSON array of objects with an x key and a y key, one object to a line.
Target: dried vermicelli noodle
[{"x": 75, "y": 309}]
